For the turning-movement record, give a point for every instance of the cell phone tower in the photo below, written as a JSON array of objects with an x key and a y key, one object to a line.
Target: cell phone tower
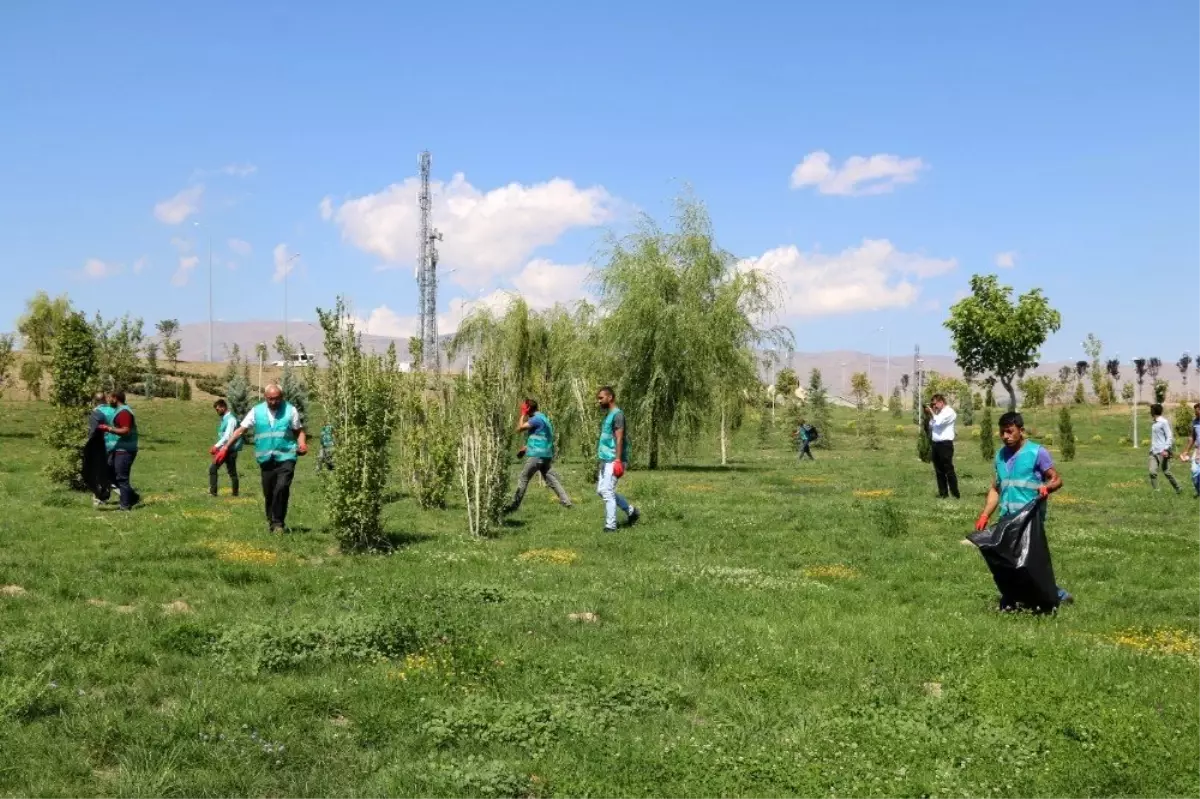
[{"x": 427, "y": 257}]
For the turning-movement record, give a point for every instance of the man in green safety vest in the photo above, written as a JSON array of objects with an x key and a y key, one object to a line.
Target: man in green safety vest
[
  {"x": 278, "y": 438},
  {"x": 325, "y": 454},
  {"x": 1024, "y": 472},
  {"x": 539, "y": 455},
  {"x": 612, "y": 451},
  {"x": 121, "y": 442},
  {"x": 225, "y": 430}
]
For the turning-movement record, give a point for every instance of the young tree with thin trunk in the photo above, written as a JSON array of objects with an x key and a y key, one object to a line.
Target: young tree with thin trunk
[
  {"x": 1183, "y": 363},
  {"x": 992, "y": 334},
  {"x": 7, "y": 358}
]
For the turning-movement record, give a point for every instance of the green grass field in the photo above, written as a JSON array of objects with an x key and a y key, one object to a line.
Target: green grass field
[{"x": 769, "y": 629}]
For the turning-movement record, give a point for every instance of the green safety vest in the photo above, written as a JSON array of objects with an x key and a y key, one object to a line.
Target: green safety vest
[
  {"x": 327, "y": 437},
  {"x": 541, "y": 443},
  {"x": 273, "y": 440},
  {"x": 229, "y": 424},
  {"x": 606, "y": 449},
  {"x": 112, "y": 441},
  {"x": 1018, "y": 483}
]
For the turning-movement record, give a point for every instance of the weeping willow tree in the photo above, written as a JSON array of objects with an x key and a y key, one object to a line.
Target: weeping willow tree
[
  {"x": 681, "y": 326},
  {"x": 553, "y": 355}
]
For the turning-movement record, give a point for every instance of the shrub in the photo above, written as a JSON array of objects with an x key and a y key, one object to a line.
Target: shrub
[
  {"x": 360, "y": 399},
  {"x": 895, "y": 407},
  {"x": 1066, "y": 433},
  {"x": 1183, "y": 420},
  {"x": 851, "y": 425},
  {"x": 31, "y": 375},
  {"x": 185, "y": 390},
  {"x": 817, "y": 401},
  {"x": 1160, "y": 390},
  {"x": 924, "y": 444},
  {"x": 162, "y": 389},
  {"x": 1048, "y": 439},
  {"x": 1097, "y": 439},
  {"x": 975, "y": 433},
  {"x": 871, "y": 430},
  {"x": 430, "y": 442},
  {"x": 483, "y": 447},
  {"x": 889, "y": 519},
  {"x": 987, "y": 444},
  {"x": 210, "y": 385},
  {"x": 74, "y": 372},
  {"x": 1124, "y": 441}
]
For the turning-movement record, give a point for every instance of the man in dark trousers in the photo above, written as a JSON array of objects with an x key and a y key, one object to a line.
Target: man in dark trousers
[
  {"x": 225, "y": 430},
  {"x": 941, "y": 431},
  {"x": 805, "y": 435},
  {"x": 121, "y": 441},
  {"x": 96, "y": 472},
  {"x": 278, "y": 438},
  {"x": 539, "y": 455}
]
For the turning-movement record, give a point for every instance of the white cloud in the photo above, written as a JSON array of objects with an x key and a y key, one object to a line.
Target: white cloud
[
  {"x": 140, "y": 264},
  {"x": 876, "y": 174},
  {"x": 869, "y": 277},
  {"x": 239, "y": 170},
  {"x": 231, "y": 265},
  {"x": 176, "y": 209},
  {"x": 1006, "y": 260},
  {"x": 240, "y": 247},
  {"x": 326, "y": 208},
  {"x": 95, "y": 269},
  {"x": 487, "y": 235},
  {"x": 186, "y": 264},
  {"x": 543, "y": 283},
  {"x": 181, "y": 244},
  {"x": 285, "y": 261}
]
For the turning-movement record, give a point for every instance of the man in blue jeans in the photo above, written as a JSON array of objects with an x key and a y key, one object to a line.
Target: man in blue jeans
[
  {"x": 613, "y": 453},
  {"x": 121, "y": 441}
]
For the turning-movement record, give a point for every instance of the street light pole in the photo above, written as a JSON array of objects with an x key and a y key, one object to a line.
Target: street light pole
[
  {"x": 208, "y": 233},
  {"x": 287, "y": 267}
]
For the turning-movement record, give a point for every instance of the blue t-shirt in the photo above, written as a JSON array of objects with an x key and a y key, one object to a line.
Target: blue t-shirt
[{"x": 538, "y": 425}]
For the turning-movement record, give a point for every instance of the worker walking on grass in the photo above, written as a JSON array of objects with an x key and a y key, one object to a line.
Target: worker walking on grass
[
  {"x": 941, "y": 431},
  {"x": 325, "y": 454},
  {"x": 225, "y": 430},
  {"x": 612, "y": 451},
  {"x": 1192, "y": 452},
  {"x": 97, "y": 474},
  {"x": 539, "y": 455},
  {"x": 1162, "y": 441},
  {"x": 1024, "y": 471},
  {"x": 278, "y": 438},
  {"x": 805, "y": 435},
  {"x": 121, "y": 442}
]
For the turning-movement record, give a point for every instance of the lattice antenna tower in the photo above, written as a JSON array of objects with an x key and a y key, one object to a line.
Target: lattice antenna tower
[
  {"x": 918, "y": 383},
  {"x": 421, "y": 273},
  {"x": 430, "y": 351}
]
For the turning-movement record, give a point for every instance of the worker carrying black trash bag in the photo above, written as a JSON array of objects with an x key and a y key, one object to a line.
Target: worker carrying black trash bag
[{"x": 1015, "y": 549}]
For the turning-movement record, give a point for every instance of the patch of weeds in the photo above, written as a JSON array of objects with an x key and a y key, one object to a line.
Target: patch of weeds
[
  {"x": 834, "y": 571},
  {"x": 58, "y": 499},
  {"x": 186, "y": 638},
  {"x": 255, "y": 648},
  {"x": 889, "y": 520},
  {"x": 29, "y": 699},
  {"x": 527, "y": 725},
  {"x": 488, "y": 779},
  {"x": 561, "y": 557},
  {"x": 1161, "y": 641}
]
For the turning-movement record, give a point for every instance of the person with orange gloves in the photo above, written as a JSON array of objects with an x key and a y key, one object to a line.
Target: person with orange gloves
[
  {"x": 225, "y": 429},
  {"x": 1024, "y": 471},
  {"x": 612, "y": 451}
]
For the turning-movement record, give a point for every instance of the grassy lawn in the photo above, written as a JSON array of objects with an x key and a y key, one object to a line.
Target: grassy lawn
[{"x": 769, "y": 629}]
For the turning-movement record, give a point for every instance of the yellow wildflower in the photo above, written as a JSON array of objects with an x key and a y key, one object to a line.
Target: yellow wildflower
[
  {"x": 238, "y": 552},
  {"x": 562, "y": 557},
  {"x": 835, "y": 571},
  {"x": 1160, "y": 641},
  {"x": 874, "y": 493}
]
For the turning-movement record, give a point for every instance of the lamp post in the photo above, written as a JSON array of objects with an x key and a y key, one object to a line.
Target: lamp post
[
  {"x": 287, "y": 268},
  {"x": 210, "y": 292}
]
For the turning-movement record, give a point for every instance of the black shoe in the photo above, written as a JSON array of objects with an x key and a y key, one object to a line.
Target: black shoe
[
  {"x": 610, "y": 529},
  {"x": 634, "y": 515},
  {"x": 567, "y": 505}
]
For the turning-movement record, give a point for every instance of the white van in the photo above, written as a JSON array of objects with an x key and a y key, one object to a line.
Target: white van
[{"x": 299, "y": 359}]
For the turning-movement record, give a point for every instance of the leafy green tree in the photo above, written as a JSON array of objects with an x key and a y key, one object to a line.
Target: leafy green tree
[
  {"x": 1183, "y": 420},
  {"x": 860, "y": 389},
  {"x": 786, "y": 383},
  {"x": 1094, "y": 348},
  {"x": 1127, "y": 392},
  {"x": 359, "y": 393},
  {"x": 817, "y": 402},
  {"x": 75, "y": 378},
  {"x": 261, "y": 353},
  {"x": 7, "y": 358},
  {"x": 150, "y": 378},
  {"x": 679, "y": 311},
  {"x": 989, "y": 395},
  {"x": 118, "y": 347},
  {"x": 168, "y": 332},
  {"x": 237, "y": 383},
  {"x": 1066, "y": 434},
  {"x": 1034, "y": 390},
  {"x": 992, "y": 334},
  {"x": 987, "y": 442},
  {"x": 430, "y": 434},
  {"x": 185, "y": 390},
  {"x": 41, "y": 323},
  {"x": 924, "y": 442},
  {"x": 1183, "y": 363},
  {"x": 485, "y": 440},
  {"x": 895, "y": 404}
]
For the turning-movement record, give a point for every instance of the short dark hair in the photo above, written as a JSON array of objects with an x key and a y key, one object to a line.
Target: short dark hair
[
  {"x": 220, "y": 404},
  {"x": 937, "y": 397},
  {"x": 1012, "y": 418},
  {"x": 119, "y": 395},
  {"x": 607, "y": 390},
  {"x": 1156, "y": 409},
  {"x": 532, "y": 404},
  {"x": 1196, "y": 406}
]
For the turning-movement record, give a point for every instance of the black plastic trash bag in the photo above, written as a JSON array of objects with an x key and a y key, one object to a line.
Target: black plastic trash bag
[
  {"x": 95, "y": 472},
  {"x": 1016, "y": 551}
]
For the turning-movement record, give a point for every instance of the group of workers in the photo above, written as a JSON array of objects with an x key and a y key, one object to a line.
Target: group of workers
[{"x": 279, "y": 438}]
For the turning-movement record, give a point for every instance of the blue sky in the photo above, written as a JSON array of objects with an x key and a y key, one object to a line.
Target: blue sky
[{"x": 1064, "y": 135}]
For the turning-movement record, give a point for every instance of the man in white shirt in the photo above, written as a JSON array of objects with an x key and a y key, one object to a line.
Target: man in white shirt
[
  {"x": 1162, "y": 441},
  {"x": 941, "y": 431},
  {"x": 278, "y": 438}
]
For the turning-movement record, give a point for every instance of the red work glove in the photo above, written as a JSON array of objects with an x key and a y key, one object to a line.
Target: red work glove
[
  {"x": 213, "y": 449},
  {"x": 219, "y": 457},
  {"x": 618, "y": 469},
  {"x": 1043, "y": 492},
  {"x": 981, "y": 523},
  {"x": 524, "y": 408}
]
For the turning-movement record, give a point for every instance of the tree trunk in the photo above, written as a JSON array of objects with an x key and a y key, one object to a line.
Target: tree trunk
[
  {"x": 723, "y": 461},
  {"x": 653, "y": 442},
  {"x": 1012, "y": 395}
]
